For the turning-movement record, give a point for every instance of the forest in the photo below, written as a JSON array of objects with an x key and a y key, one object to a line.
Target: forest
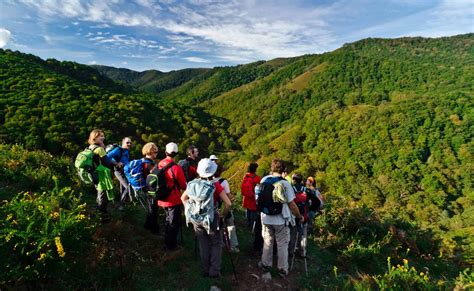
[{"x": 385, "y": 126}]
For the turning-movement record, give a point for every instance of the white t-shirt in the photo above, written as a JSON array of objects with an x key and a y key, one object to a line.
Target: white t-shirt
[{"x": 285, "y": 216}]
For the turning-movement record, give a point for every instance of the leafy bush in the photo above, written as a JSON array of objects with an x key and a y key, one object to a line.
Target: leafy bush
[
  {"x": 25, "y": 170},
  {"x": 43, "y": 236}
]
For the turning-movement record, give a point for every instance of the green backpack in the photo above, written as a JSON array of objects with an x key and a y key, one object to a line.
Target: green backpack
[{"x": 85, "y": 166}]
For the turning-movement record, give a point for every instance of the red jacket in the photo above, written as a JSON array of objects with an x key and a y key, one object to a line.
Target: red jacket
[
  {"x": 248, "y": 193},
  {"x": 175, "y": 184}
]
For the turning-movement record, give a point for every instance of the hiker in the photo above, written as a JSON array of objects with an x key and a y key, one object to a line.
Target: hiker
[
  {"x": 298, "y": 233},
  {"x": 103, "y": 184},
  {"x": 251, "y": 180},
  {"x": 200, "y": 200},
  {"x": 172, "y": 204},
  {"x": 150, "y": 152},
  {"x": 229, "y": 218},
  {"x": 316, "y": 204},
  {"x": 121, "y": 156},
  {"x": 276, "y": 215},
  {"x": 189, "y": 165}
]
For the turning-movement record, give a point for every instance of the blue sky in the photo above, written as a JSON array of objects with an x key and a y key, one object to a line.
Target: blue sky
[{"x": 168, "y": 35}]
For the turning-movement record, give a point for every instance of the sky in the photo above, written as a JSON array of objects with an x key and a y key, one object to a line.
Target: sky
[{"x": 169, "y": 35}]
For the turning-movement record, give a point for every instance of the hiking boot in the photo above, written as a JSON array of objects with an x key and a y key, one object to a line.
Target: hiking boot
[
  {"x": 282, "y": 273},
  {"x": 263, "y": 267}
]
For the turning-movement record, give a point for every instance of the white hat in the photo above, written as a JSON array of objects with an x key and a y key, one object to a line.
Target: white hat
[
  {"x": 206, "y": 168},
  {"x": 213, "y": 157},
  {"x": 171, "y": 148}
]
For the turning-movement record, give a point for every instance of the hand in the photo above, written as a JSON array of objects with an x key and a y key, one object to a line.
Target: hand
[{"x": 119, "y": 165}]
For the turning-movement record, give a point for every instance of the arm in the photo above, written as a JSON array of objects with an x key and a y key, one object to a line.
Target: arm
[
  {"x": 184, "y": 197},
  {"x": 294, "y": 210},
  {"x": 227, "y": 203}
]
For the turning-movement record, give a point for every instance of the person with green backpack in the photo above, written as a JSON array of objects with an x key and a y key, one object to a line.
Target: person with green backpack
[
  {"x": 103, "y": 184},
  {"x": 200, "y": 203}
]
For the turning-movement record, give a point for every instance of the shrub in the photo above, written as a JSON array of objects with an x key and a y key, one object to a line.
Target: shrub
[{"x": 42, "y": 236}]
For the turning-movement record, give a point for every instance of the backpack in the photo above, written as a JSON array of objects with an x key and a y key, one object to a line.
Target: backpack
[
  {"x": 302, "y": 200},
  {"x": 111, "y": 147},
  {"x": 248, "y": 186},
  {"x": 199, "y": 209},
  {"x": 85, "y": 165},
  {"x": 265, "y": 203},
  {"x": 156, "y": 182},
  {"x": 134, "y": 173}
]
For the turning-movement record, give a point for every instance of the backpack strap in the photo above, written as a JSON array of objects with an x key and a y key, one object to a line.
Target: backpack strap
[
  {"x": 221, "y": 180},
  {"x": 169, "y": 166}
]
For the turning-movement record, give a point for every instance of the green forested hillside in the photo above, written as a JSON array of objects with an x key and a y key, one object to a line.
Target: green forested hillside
[
  {"x": 385, "y": 126},
  {"x": 385, "y": 123},
  {"x": 54, "y": 105}
]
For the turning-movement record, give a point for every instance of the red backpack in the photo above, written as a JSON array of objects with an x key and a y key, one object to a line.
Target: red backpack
[
  {"x": 302, "y": 201},
  {"x": 248, "y": 186}
]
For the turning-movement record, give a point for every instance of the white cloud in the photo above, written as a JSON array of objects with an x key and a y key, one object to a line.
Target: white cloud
[
  {"x": 4, "y": 36},
  {"x": 196, "y": 60},
  {"x": 93, "y": 63}
]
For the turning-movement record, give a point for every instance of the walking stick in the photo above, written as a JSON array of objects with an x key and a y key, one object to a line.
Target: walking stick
[
  {"x": 294, "y": 248},
  {"x": 227, "y": 246},
  {"x": 299, "y": 230}
]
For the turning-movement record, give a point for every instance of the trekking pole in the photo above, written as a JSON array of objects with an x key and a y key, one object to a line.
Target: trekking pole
[
  {"x": 294, "y": 248},
  {"x": 303, "y": 245},
  {"x": 227, "y": 246}
]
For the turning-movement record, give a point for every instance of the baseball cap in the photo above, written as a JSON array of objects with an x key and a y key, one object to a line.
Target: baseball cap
[{"x": 171, "y": 148}]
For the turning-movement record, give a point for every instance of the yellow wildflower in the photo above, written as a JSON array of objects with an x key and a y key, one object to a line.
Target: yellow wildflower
[
  {"x": 54, "y": 214},
  {"x": 405, "y": 261},
  {"x": 81, "y": 217},
  {"x": 9, "y": 216},
  {"x": 59, "y": 246},
  {"x": 422, "y": 274},
  {"x": 42, "y": 257}
]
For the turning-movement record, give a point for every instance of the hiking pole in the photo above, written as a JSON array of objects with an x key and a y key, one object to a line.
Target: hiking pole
[
  {"x": 227, "y": 246},
  {"x": 294, "y": 248}
]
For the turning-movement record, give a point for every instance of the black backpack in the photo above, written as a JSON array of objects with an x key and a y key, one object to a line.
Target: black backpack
[
  {"x": 156, "y": 182},
  {"x": 264, "y": 193}
]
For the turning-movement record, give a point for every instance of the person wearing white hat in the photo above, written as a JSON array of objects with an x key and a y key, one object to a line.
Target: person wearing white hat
[
  {"x": 213, "y": 158},
  {"x": 172, "y": 205},
  {"x": 209, "y": 232}
]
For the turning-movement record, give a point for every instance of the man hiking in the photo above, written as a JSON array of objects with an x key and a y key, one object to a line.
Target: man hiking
[
  {"x": 275, "y": 201},
  {"x": 121, "y": 156},
  {"x": 251, "y": 180},
  {"x": 189, "y": 165},
  {"x": 172, "y": 205}
]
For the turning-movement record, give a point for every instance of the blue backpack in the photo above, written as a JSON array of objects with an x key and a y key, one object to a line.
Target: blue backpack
[
  {"x": 134, "y": 173},
  {"x": 199, "y": 209}
]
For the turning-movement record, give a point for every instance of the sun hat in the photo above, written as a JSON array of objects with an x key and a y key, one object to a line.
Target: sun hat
[
  {"x": 213, "y": 157},
  {"x": 171, "y": 148},
  {"x": 206, "y": 168}
]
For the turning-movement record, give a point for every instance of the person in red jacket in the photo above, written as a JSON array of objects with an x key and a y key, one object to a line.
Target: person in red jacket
[
  {"x": 250, "y": 204},
  {"x": 173, "y": 205}
]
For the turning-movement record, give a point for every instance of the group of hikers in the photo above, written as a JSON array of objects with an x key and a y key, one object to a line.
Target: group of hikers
[{"x": 278, "y": 208}]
